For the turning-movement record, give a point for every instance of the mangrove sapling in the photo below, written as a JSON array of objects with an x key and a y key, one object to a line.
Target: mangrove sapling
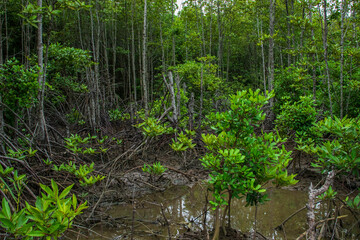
[
  {"x": 183, "y": 142},
  {"x": 242, "y": 162},
  {"x": 340, "y": 154},
  {"x": 154, "y": 170}
]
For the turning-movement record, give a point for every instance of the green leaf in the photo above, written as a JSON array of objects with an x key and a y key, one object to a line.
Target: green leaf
[
  {"x": 66, "y": 192},
  {"x": 6, "y": 209}
]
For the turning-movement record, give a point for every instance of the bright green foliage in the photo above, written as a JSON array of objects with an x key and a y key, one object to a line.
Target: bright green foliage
[
  {"x": 154, "y": 170},
  {"x": 16, "y": 223},
  {"x": 191, "y": 71},
  {"x": 338, "y": 148},
  {"x": 65, "y": 67},
  {"x": 77, "y": 144},
  {"x": 341, "y": 150},
  {"x": 354, "y": 203},
  {"x": 291, "y": 82},
  {"x": 22, "y": 154},
  {"x": 17, "y": 182},
  {"x": 152, "y": 127},
  {"x": 296, "y": 117},
  {"x": 18, "y": 86},
  {"x": 116, "y": 114},
  {"x": 54, "y": 213},
  {"x": 328, "y": 194},
  {"x": 51, "y": 216},
  {"x": 82, "y": 173},
  {"x": 184, "y": 141},
  {"x": 241, "y": 161}
]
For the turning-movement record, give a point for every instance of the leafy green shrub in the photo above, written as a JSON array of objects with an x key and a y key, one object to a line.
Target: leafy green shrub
[
  {"x": 18, "y": 85},
  {"x": 240, "y": 161},
  {"x": 296, "y": 117},
  {"x": 82, "y": 173},
  {"x": 51, "y": 216}
]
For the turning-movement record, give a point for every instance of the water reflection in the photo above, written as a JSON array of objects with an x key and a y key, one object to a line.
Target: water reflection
[{"x": 183, "y": 208}]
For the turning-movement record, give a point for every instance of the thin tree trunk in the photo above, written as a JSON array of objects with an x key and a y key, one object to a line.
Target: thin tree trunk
[
  {"x": 313, "y": 54},
  {"x": 107, "y": 68},
  {"x": 217, "y": 224},
  {"x": 220, "y": 50},
  {"x": 1, "y": 106},
  {"x": 210, "y": 26},
  {"x": 262, "y": 53},
  {"x": 202, "y": 30},
  {"x": 164, "y": 67},
  {"x": 325, "y": 44},
  {"x": 313, "y": 193},
  {"x": 92, "y": 76},
  {"x": 201, "y": 94},
  {"x": 1, "y": 38},
  {"x": 343, "y": 9},
  {"x": 288, "y": 33},
  {"x": 191, "y": 111},
  {"x": 173, "y": 35},
  {"x": 6, "y": 33},
  {"x": 133, "y": 49},
  {"x": 114, "y": 43},
  {"x": 40, "y": 52},
  {"x": 144, "y": 61},
  {"x": 271, "y": 53}
]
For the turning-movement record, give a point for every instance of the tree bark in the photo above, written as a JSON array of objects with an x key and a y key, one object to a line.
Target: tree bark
[
  {"x": 342, "y": 9},
  {"x": 313, "y": 193},
  {"x": 313, "y": 54},
  {"x": 262, "y": 53},
  {"x": 144, "y": 61},
  {"x": 220, "y": 50},
  {"x": 41, "y": 77},
  {"x": 325, "y": 44},
  {"x": 133, "y": 49},
  {"x": 288, "y": 36},
  {"x": 271, "y": 54}
]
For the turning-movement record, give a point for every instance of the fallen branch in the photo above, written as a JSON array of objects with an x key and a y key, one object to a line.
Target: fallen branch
[{"x": 317, "y": 225}]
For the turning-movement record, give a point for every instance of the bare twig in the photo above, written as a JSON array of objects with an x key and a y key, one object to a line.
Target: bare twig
[{"x": 166, "y": 221}]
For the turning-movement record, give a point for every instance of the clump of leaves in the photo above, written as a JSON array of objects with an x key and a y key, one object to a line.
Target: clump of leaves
[
  {"x": 184, "y": 141},
  {"x": 157, "y": 169},
  {"x": 241, "y": 161},
  {"x": 82, "y": 173},
  {"x": 116, "y": 114},
  {"x": 296, "y": 117},
  {"x": 152, "y": 127}
]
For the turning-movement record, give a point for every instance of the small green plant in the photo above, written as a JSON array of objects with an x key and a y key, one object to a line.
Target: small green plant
[
  {"x": 154, "y": 170},
  {"x": 183, "y": 142},
  {"x": 47, "y": 161},
  {"x": 117, "y": 141},
  {"x": 328, "y": 194},
  {"x": 51, "y": 216},
  {"x": 353, "y": 203},
  {"x": 152, "y": 127},
  {"x": 116, "y": 115},
  {"x": 82, "y": 173},
  {"x": 78, "y": 145}
]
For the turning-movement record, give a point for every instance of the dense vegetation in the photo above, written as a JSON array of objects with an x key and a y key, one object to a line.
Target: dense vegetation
[{"x": 73, "y": 72}]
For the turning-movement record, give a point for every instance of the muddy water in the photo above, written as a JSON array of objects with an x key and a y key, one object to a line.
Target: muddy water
[{"x": 183, "y": 207}]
